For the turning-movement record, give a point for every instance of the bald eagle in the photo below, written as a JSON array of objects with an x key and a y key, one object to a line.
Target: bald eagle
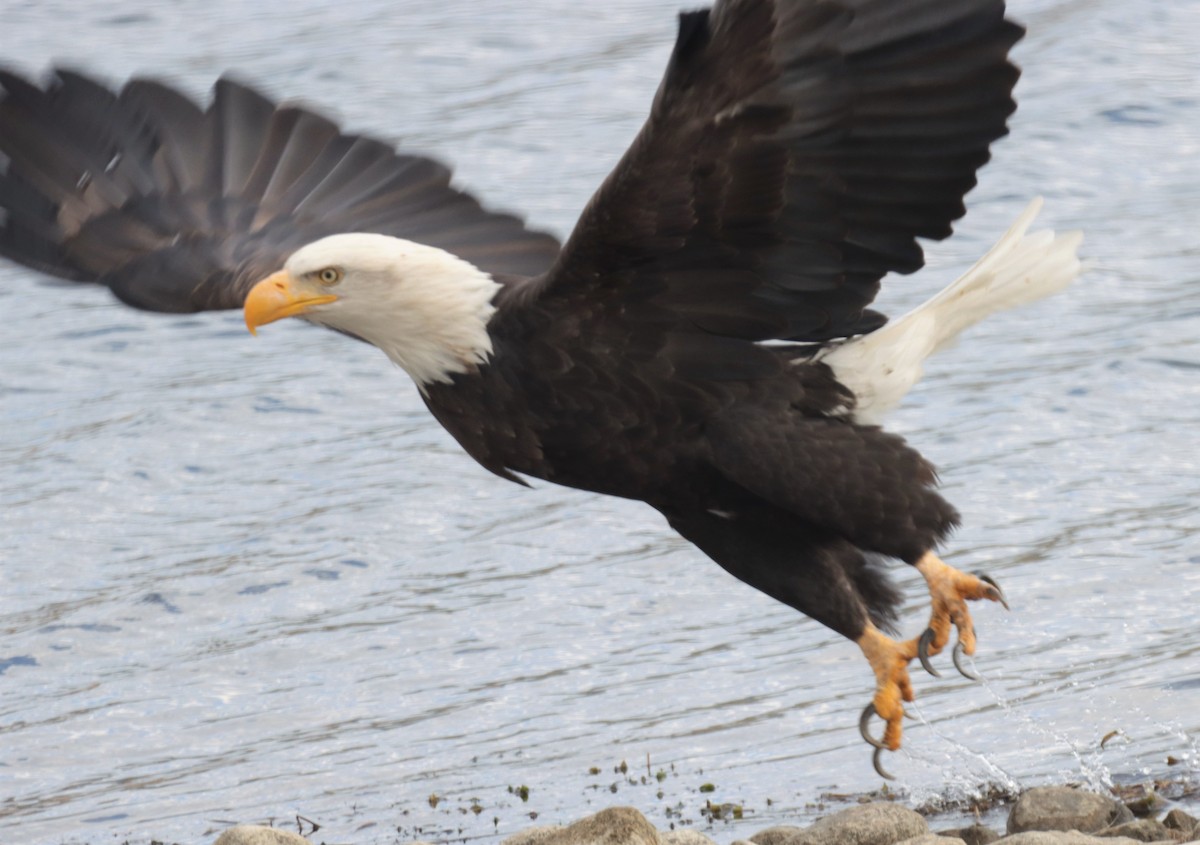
[{"x": 702, "y": 341}]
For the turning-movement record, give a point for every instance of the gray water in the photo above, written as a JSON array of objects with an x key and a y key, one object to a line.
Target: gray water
[{"x": 245, "y": 579}]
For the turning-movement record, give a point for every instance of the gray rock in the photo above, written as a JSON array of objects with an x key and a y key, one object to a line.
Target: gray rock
[
  {"x": 1060, "y": 808},
  {"x": 254, "y": 834},
  {"x": 869, "y": 824},
  {"x": 684, "y": 837},
  {"x": 1179, "y": 820},
  {"x": 976, "y": 834},
  {"x": 1144, "y": 830},
  {"x": 614, "y": 826}
]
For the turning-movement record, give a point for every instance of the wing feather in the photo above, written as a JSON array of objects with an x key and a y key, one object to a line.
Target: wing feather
[
  {"x": 180, "y": 208},
  {"x": 795, "y": 152}
]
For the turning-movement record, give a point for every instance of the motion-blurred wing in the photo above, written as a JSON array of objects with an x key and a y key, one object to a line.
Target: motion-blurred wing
[{"x": 180, "y": 209}]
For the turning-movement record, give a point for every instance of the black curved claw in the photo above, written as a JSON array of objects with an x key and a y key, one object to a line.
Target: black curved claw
[
  {"x": 923, "y": 652},
  {"x": 865, "y": 720},
  {"x": 957, "y": 655},
  {"x": 882, "y": 772},
  {"x": 991, "y": 582}
]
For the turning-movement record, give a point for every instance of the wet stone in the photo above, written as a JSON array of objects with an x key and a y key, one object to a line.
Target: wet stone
[{"x": 1061, "y": 808}]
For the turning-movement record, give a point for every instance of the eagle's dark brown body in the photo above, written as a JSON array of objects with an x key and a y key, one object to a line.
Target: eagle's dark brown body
[{"x": 771, "y": 478}]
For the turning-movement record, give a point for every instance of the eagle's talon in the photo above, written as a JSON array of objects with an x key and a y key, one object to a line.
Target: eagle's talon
[
  {"x": 879, "y": 769},
  {"x": 950, "y": 591},
  {"x": 889, "y": 661},
  {"x": 923, "y": 652},
  {"x": 863, "y": 721},
  {"x": 998, "y": 595},
  {"x": 956, "y": 655}
]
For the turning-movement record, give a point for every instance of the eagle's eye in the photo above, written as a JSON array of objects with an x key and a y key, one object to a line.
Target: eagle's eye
[{"x": 329, "y": 276}]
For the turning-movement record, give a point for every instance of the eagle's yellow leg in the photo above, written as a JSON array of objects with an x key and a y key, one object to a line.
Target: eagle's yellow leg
[
  {"x": 950, "y": 590},
  {"x": 889, "y": 660}
]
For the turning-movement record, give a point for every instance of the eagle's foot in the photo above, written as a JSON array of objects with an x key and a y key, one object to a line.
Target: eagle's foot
[
  {"x": 889, "y": 661},
  {"x": 950, "y": 591}
]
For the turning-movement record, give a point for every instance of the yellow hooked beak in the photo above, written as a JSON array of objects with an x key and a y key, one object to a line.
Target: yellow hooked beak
[{"x": 278, "y": 296}]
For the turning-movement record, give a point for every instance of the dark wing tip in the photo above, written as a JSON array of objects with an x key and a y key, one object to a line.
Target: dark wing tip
[{"x": 693, "y": 34}]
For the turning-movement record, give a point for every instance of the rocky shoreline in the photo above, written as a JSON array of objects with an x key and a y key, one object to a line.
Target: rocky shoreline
[{"x": 1053, "y": 815}]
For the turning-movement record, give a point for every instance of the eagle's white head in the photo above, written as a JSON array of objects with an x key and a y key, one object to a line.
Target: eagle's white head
[{"x": 425, "y": 308}]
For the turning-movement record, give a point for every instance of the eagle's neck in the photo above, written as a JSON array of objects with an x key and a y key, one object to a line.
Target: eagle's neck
[
  {"x": 429, "y": 314},
  {"x": 435, "y": 325}
]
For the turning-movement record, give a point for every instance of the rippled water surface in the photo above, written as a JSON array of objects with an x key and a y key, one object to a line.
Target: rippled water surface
[{"x": 248, "y": 579}]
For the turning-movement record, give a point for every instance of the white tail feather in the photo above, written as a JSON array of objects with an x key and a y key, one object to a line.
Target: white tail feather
[{"x": 882, "y": 366}]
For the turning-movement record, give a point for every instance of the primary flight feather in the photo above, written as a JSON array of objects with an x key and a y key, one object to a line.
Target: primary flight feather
[{"x": 702, "y": 342}]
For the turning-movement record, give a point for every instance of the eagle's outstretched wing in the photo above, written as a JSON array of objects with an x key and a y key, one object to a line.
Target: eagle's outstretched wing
[
  {"x": 179, "y": 209},
  {"x": 793, "y": 155}
]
